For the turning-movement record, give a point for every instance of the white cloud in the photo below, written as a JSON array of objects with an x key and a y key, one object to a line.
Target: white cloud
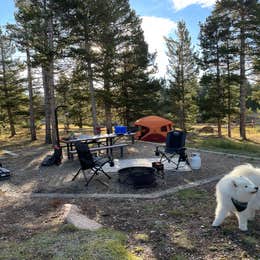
[
  {"x": 181, "y": 4},
  {"x": 155, "y": 28}
]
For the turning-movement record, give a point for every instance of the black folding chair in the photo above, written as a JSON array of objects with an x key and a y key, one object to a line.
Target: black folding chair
[
  {"x": 89, "y": 162},
  {"x": 175, "y": 142}
]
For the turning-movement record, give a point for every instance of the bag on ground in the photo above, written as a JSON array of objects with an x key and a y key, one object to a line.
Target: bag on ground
[
  {"x": 4, "y": 173},
  {"x": 53, "y": 159}
]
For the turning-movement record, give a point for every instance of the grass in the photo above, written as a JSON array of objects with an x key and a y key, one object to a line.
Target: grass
[
  {"x": 227, "y": 145},
  {"x": 141, "y": 237},
  {"x": 250, "y": 240},
  {"x": 192, "y": 194},
  {"x": 69, "y": 243},
  {"x": 181, "y": 239},
  {"x": 197, "y": 140}
]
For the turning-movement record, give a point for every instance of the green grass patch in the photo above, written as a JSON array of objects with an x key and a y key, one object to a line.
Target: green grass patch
[
  {"x": 192, "y": 194},
  {"x": 178, "y": 257},
  {"x": 182, "y": 213},
  {"x": 141, "y": 237},
  {"x": 177, "y": 213},
  {"x": 182, "y": 240},
  {"x": 250, "y": 240},
  {"x": 69, "y": 243},
  {"x": 227, "y": 145}
]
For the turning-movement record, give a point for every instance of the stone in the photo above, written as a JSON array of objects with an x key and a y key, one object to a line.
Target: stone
[{"x": 73, "y": 215}]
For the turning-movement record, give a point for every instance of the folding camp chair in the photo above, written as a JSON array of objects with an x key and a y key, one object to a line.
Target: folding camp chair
[
  {"x": 175, "y": 142},
  {"x": 89, "y": 162}
]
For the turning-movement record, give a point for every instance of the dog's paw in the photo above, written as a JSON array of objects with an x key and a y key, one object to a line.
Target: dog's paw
[
  {"x": 243, "y": 229},
  {"x": 216, "y": 227},
  {"x": 216, "y": 223}
]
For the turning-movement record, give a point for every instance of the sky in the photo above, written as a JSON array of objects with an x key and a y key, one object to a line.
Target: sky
[{"x": 159, "y": 19}]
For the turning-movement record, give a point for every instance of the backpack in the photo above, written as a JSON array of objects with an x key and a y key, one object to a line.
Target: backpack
[
  {"x": 55, "y": 158},
  {"x": 4, "y": 173}
]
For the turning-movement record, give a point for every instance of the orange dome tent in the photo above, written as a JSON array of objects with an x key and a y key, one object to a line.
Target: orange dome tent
[{"x": 153, "y": 128}]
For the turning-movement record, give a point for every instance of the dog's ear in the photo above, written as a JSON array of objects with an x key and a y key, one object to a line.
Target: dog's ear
[{"x": 234, "y": 183}]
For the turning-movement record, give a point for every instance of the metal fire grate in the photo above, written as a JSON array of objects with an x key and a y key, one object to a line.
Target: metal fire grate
[{"x": 138, "y": 176}]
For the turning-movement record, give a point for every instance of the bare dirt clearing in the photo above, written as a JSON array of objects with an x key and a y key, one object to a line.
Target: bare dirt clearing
[{"x": 173, "y": 227}]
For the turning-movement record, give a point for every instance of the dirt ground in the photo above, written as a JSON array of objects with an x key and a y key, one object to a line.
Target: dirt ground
[{"x": 172, "y": 227}]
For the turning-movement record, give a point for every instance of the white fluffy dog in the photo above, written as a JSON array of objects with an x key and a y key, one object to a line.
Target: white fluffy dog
[{"x": 237, "y": 192}]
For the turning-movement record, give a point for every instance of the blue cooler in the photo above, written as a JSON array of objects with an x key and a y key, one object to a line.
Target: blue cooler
[
  {"x": 120, "y": 130},
  {"x": 123, "y": 129}
]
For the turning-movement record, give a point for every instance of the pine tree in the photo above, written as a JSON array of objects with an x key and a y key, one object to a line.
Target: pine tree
[
  {"x": 11, "y": 89},
  {"x": 182, "y": 73},
  {"x": 79, "y": 104},
  {"x": 63, "y": 90},
  {"x": 46, "y": 40},
  {"x": 19, "y": 33},
  {"x": 136, "y": 89},
  {"x": 245, "y": 24},
  {"x": 79, "y": 19}
]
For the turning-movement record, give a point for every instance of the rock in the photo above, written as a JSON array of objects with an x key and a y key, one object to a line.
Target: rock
[{"x": 73, "y": 216}]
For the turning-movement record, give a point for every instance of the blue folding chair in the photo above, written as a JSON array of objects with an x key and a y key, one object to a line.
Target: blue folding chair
[{"x": 175, "y": 147}]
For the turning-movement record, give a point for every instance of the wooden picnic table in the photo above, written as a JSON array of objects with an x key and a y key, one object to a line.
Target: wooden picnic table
[{"x": 104, "y": 142}]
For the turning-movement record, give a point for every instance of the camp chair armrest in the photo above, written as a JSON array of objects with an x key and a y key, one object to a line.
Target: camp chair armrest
[
  {"x": 181, "y": 149},
  {"x": 158, "y": 150}
]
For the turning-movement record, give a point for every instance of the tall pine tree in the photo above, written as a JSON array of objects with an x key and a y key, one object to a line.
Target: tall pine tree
[{"x": 182, "y": 72}]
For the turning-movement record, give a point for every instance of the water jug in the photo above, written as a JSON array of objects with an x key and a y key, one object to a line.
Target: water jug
[{"x": 195, "y": 161}]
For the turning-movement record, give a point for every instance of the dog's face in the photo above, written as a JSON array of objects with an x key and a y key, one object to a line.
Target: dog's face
[{"x": 244, "y": 188}]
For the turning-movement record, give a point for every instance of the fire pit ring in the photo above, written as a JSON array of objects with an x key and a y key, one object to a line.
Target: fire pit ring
[{"x": 138, "y": 176}]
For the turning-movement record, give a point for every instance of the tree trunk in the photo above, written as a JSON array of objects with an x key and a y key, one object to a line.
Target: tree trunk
[
  {"x": 66, "y": 123},
  {"x": 219, "y": 95},
  {"x": 242, "y": 84},
  {"x": 8, "y": 108},
  {"x": 47, "y": 111},
  {"x": 50, "y": 73},
  {"x": 183, "y": 116},
  {"x": 108, "y": 114},
  {"x": 92, "y": 98},
  {"x": 30, "y": 89},
  {"x": 90, "y": 81},
  {"x": 182, "y": 89},
  {"x": 52, "y": 103},
  {"x": 11, "y": 121},
  {"x": 229, "y": 94},
  {"x": 219, "y": 127},
  {"x": 80, "y": 121}
]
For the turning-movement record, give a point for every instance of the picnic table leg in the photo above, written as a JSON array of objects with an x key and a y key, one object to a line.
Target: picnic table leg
[
  {"x": 68, "y": 151},
  {"x": 71, "y": 149},
  {"x": 109, "y": 142}
]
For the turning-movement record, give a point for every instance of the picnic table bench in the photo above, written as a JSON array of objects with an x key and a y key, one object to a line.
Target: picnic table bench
[
  {"x": 108, "y": 139},
  {"x": 109, "y": 148}
]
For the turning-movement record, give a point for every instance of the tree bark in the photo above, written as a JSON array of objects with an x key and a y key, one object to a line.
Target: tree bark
[
  {"x": 50, "y": 74},
  {"x": 108, "y": 114},
  {"x": 242, "y": 84},
  {"x": 229, "y": 93},
  {"x": 48, "y": 139},
  {"x": 52, "y": 103},
  {"x": 30, "y": 89},
  {"x": 8, "y": 108},
  {"x": 92, "y": 98},
  {"x": 90, "y": 81},
  {"x": 219, "y": 94}
]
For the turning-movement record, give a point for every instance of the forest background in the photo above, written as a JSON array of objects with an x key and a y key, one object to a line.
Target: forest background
[{"x": 91, "y": 57}]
